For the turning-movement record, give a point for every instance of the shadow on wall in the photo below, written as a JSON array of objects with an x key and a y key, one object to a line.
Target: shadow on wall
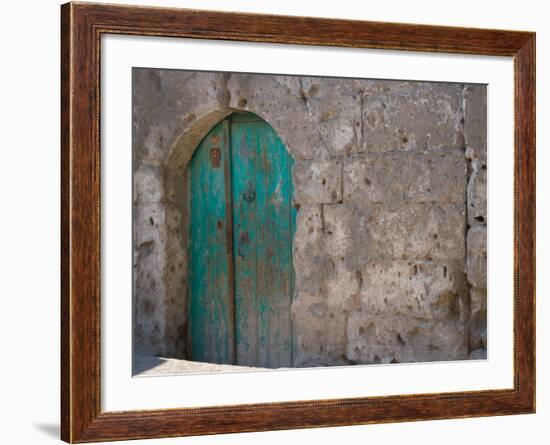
[{"x": 141, "y": 363}]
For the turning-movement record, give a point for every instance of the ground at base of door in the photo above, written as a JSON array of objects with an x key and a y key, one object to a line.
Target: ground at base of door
[{"x": 145, "y": 365}]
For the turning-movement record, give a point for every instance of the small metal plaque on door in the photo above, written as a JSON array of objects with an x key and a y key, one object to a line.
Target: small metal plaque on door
[{"x": 215, "y": 157}]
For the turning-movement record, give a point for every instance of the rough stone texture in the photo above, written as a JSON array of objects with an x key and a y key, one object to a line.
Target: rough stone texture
[
  {"x": 390, "y": 187},
  {"x": 319, "y": 328},
  {"x": 427, "y": 231},
  {"x": 396, "y": 178},
  {"x": 309, "y": 250},
  {"x": 400, "y": 339},
  {"x": 317, "y": 182},
  {"x": 347, "y": 237},
  {"x": 409, "y": 311},
  {"x": 158, "y": 266},
  {"x": 475, "y": 135},
  {"x": 478, "y": 320},
  {"x": 148, "y": 187},
  {"x": 477, "y": 195},
  {"x": 478, "y": 354},
  {"x": 163, "y": 108},
  {"x": 477, "y": 256},
  {"x": 148, "y": 286},
  {"x": 403, "y": 116},
  {"x": 475, "y": 120},
  {"x": 415, "y": 289},
  {"x": 315, "y": 117}
]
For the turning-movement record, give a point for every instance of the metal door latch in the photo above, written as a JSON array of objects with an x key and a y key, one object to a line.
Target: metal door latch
[
  {"x": 249, "y": 193},
  {"x": 215, "y": 157}
]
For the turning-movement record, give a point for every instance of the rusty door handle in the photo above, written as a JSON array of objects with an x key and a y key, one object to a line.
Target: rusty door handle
[{"x": 249, "y": 194}]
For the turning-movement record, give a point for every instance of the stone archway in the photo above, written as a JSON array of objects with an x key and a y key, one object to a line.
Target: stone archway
[
  {"x": 166, "y": 133},
  {"x": 174, "y": 238},
  {"x": 172, "y": 113},
  {"x": 242, "y": 222}
]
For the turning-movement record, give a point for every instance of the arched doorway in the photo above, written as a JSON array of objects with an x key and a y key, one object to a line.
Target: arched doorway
[{"x": 241, "y": 231}]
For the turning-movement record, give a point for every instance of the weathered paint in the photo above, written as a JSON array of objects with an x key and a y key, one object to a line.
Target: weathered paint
[
  {"x": 211, "y": 317},
  {"x": 259, "y": 265},
  {"x": 262, "y": 237}
]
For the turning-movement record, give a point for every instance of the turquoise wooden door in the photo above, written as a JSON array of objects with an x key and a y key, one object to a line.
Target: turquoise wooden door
[{"x": 242, "y": 225}]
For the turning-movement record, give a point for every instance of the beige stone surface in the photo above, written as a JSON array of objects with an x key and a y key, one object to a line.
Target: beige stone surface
[
  {"x": 477, "y": 256},
  {"x": 317, "y": 182},
  {"x": 426, "y": 231},
  {"x": 406, "y": 177},
  {"x": 477, "y": 194},
  {"x": 390, "y": 190},
  {"x": 475, "y": 120},
  {"x": 405, "y": 116},
  {"x": 418, "y": 289},
  {"x": 390, "y": 338},
  {"x": 478, "y": 320},
  {"x": 309, "y": 250}
]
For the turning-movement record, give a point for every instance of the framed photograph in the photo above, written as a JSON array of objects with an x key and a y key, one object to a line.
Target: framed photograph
[{"x": 274, "y": 222}]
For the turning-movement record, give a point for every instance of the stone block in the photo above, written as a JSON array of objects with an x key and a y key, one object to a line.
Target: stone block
[
  {"x": 313, "y": 116},
  {"x": 176, "y": 285},
  {"x": 317, "y": 182},
  {"x": 417, "y": 289},
  {"x": 311, "y": 263},
  {"x": 478, "y": 354},
  {"x": 148, "y": 184},
  {"x": 394, "y": 178},
  {"x": 308, "y": 314},
  {"x": 391, "y": 338},
  {"x": 166, "y": 103},
  {"x": 320, "y": 330},
  {"x": 336, "y": 336},
  {"x": 478, "y": 318},
  {"x": 477, "y": 194},
  {"x": 149, "y": 224},
  {"x": 335, "y": 105},
  {"x": 347, "y": 238},
  {"x": 475, "y": 119},
  {"x": 403, "y": 116},
  {"x": 418, "y": 231},
  {"x": 277, "y": 99},
  {"x": 148, "y": 292},
  {"x": 159, "y": 279},
  {"x": 476, "y": 256},
  {"x": 342, "y": 288}
]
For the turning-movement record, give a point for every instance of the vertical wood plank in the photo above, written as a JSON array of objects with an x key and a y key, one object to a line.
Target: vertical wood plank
[
  {"x": 263, "y": 231},
  {"x": 262, "y": 245},
  {"x": 210, "y": 312},
  {"x": 231, "y": 314},
  {"x": 245, "y": 225}
]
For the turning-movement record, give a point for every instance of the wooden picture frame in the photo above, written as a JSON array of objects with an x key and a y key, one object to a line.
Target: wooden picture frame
[{"x": 82, "y": 25}]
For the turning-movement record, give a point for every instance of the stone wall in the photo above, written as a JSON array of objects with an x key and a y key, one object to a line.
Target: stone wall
[
  {"x": 390, "y": 186},
  {"x": 475, "y": 135}
]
